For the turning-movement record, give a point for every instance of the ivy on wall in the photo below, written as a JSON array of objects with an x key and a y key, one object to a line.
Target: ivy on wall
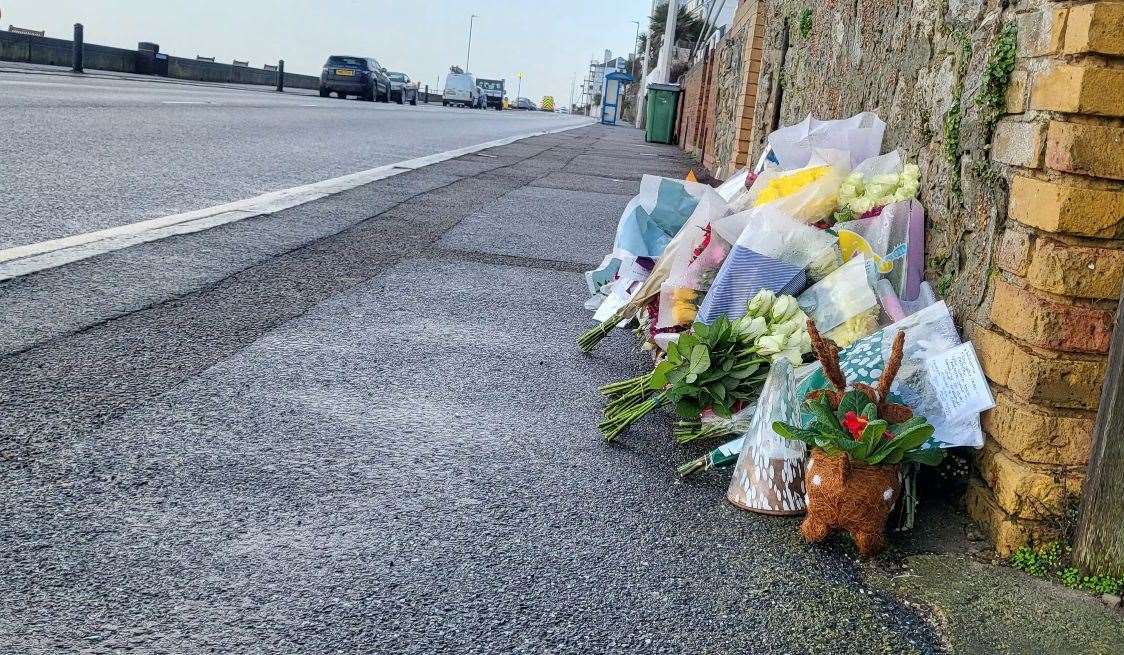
[
  {"x": 992, "y": 97},
  {"x": 955, "y": 113},
  {"x": 805, "y": 23}
]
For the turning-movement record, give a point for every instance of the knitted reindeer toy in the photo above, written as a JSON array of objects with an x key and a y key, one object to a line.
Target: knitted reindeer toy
[{"x": 859, "y": 438}]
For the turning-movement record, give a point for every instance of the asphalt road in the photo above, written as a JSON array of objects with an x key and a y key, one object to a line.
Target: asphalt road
[
  {"x": 87, "y": 153},
  {"x": 375, "y": 434}
]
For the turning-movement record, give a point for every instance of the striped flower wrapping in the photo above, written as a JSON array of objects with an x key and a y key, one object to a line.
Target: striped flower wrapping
[{"x": 742, "y": 275}]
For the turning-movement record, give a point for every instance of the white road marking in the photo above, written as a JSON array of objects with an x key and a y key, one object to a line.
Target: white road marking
[
  {"x": 23, "y": 260},
  {"x": 184, "y": 102}
]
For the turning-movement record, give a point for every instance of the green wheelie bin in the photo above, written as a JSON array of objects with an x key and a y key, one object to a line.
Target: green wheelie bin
[{"x": 663, "y": 103}]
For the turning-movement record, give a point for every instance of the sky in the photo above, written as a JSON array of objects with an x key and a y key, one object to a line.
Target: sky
[{"x": 549, "y": 41}]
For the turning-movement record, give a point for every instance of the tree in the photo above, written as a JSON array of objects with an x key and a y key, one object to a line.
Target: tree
[
  {"x": 456, "y": 69},
  {"x": 688, "y": 27}
]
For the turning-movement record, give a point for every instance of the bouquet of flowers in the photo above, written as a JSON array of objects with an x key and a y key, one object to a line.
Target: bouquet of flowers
[
  {"x": 718, "y": 367},
  {"x": 684, "y": 289},
  {"x": 709, "y": 210},
  {"x": 876, "y": 183}
]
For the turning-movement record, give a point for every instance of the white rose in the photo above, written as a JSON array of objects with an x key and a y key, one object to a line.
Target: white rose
[
  {"x": 801, "y": 342},
  {"x": 771, "y": 344},
  {"x": 783, "y": 309},
  {"x": 750, "y": 327},
  {"x": 790, "y": 326},
  {"x": 761, "y": 303},
  {"x": 862, "y": 205}
]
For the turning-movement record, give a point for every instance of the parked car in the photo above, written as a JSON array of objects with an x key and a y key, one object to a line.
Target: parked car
[
  {"x": 461, "y": 90},
  {"x": 356, "y": 76},
  {"x": 525, "y": 103},
  {"x": 493, "y": 92},
  {"x": 402, "y": 89}
]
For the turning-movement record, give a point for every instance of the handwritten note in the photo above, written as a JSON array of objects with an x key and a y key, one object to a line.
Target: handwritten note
[{"x": 960, "y": 383}]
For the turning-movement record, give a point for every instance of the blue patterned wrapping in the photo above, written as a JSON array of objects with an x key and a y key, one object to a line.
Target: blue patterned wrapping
[{"x": 742, "y": 275}]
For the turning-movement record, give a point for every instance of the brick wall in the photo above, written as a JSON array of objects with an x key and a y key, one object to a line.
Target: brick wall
[
  {"x": 1025, "y": 208},
  {"x": 720, "y": 93},
  {"x": 1045, "y": 339}
]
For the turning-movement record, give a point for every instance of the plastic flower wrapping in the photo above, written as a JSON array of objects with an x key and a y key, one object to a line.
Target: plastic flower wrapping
[
  {"x": 843, "y": 305},
  {"x": 808, "y": 194}
]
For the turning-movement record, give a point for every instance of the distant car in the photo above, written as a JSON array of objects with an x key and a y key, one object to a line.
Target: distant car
[
  {"x": 402, "y": 89},
  {"x": 461, "y": 90},
  {"x": 356, "y": 76},
  {"x": 493, "y": 92},
  {"x": 525, "y": 103}
]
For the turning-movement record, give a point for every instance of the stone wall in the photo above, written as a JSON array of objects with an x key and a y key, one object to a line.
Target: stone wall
[{"x": 1021, "y": 178}]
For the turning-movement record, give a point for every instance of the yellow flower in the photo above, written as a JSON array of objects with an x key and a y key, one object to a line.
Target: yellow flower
[
  {"x": 788, "y": 184},
  {"x": 684, "y": 305}
]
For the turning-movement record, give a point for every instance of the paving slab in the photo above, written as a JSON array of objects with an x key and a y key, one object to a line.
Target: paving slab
[
  {"x": 542, "y": 223},
  {"x": 596, "y": 183}
]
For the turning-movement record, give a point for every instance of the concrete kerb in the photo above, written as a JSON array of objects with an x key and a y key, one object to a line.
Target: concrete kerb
[{"x": 24, "y": 260}]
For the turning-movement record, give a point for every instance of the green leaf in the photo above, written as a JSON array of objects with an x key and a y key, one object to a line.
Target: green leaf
[
  {"x": 853, "y": 401},
  {"x": 870, "y": 412},
  {"x": 700, "y": 359},
  {"x": 688, "y": 408},
  {"x": 672, "y": 351},
  {"x": 721, "y": 409},
  {"x": 872, "y": 436},
  {"x": 913, "y": 438},
  {"x": 658, "y": 380},
  {"x": 850, "y": 446},
  {"x": 718, "y": 390},
  {"x": 687, "y": 341},
  {"x": 691, "y": 377},
  {"x": 742, "y": 373},
  {"x": 903, "y": 427},
  {"x": 795, "y": 433},
  {"x": 821, "y": 409},
  {"x": 928, "y": 456}
]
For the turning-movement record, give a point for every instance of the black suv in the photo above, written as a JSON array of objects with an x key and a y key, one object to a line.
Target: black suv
[{"x": 356, "y": 76}]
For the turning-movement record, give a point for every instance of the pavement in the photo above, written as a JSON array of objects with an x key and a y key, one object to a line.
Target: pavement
[
  {"x": 362, "y": 425},
  {"x": 97, "y": 151}
]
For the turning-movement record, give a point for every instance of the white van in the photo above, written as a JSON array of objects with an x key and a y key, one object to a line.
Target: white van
[{"x": 461, "y": 91}]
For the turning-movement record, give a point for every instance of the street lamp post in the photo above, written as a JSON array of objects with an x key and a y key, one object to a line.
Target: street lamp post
[
  {"x": 519, "y": 88},
  {"x": 468, "y": 55},
  {"x": 636, "y": 42}
]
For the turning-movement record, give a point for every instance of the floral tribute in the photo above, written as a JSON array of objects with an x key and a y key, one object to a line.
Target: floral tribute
[{"x": 715, "y": 368}]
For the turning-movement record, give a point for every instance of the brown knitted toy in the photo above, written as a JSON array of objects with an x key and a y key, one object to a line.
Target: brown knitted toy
[{"x": 844, "y": 494}]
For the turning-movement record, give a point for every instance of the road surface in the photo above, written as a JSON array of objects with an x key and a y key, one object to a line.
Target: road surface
[{"x": 87, "y": 153}]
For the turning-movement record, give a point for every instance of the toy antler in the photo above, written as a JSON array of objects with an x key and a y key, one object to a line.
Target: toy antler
[
  {"x": 892, "y": 366},
  {"x": 828, "y": 354}
]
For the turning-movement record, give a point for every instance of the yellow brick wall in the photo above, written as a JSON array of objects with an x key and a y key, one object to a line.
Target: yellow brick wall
[{"x": 1059, "y": 265}]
